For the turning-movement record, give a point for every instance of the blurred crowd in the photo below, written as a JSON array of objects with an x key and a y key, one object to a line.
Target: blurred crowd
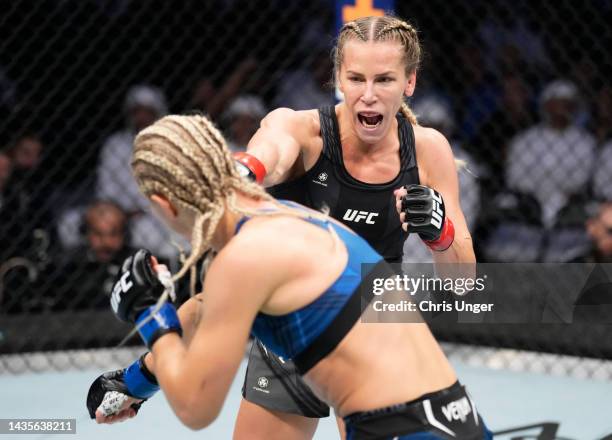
[{"x": 533, "y": 124}]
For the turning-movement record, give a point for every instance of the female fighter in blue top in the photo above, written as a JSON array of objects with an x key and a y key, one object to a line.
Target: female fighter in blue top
[{"x": 290, "y": 275}]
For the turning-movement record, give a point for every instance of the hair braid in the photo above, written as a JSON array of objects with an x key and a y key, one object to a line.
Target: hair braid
[
  {"x": 152, "y": 183},
  {"x": 353, "y": 26},
  {"x": 199, "y": 242},
  {"x": 409, "y": 114},
  {"x": 183, "y": 182},
  {"x": 186, "y": 160},
  {"x": 386, "y": 28},
  {"x": 394, "y": 29},
  {"x": 198, "y": 139},
  {"x": 410, "y": 29}
]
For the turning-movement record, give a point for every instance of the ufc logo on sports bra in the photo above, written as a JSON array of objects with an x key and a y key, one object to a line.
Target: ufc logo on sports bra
[{"x": 352, "y": 215}]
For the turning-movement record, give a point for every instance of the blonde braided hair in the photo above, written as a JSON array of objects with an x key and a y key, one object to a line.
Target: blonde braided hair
[
  {"x": 386, "y": 28},
  {"x": 186, "y": 160}
]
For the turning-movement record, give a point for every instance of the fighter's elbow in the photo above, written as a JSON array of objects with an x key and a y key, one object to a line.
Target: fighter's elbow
[
  {"x": 192, "y": 422},
  {"x": 196, "y": 408},
  {"x": 276, "y": 175},
  {"x": 195, "y": 423},
  {"x": 196, "y": 417}
]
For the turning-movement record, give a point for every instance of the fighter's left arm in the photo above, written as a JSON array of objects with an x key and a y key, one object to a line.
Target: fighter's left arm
[
  {"x": 197, "y": 378},
  {"x": 438, "y": 171}
]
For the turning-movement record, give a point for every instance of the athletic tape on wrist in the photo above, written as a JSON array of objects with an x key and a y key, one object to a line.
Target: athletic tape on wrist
[
  {"x": 137, "y": 382},
  {"x": 165, "y": 320},
  {"x": 165, "y": 277}
]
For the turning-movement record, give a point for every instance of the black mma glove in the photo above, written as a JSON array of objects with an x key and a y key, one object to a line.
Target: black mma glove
[
  {"x": 135, "y": 295},
  {"x": 136, "y": 288},
  {"x": 424, "y": 212},
  {"x": 111, "y": 390}
]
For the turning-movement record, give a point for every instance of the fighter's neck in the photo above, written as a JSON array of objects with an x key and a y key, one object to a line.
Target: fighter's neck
[{"x": 226, "y": 228}]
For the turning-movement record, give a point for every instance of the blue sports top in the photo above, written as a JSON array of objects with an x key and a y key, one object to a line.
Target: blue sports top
[{"x": 291, "y": 334}]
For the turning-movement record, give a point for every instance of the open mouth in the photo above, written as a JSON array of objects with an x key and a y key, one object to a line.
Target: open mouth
[{"x": 370, "y": 120}]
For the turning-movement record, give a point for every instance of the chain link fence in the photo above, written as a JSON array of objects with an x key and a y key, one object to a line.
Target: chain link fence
[{"x": 521, "y": 90}]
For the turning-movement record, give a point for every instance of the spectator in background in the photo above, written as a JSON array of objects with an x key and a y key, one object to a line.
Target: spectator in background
[
  {"x": 602, "y": 177},
  {"x": 587, "y": 77},
  {"x": 87, "y": 274},
  {"x": 552, "y": 160},
  {"x": 106, "y": 230},
  {"x": 241, "y": 120},
  {"x": 26, "y": 218},
  {"x": 143, "y": 105},
  {"x": 479, "y": 92},
  {"x": 27, "y": 152},
  {"x": 27, "y": 214},
  {"x": 212, "y": 100},
  {"x": 514, "y": 113},
  {"x": 594, "y": 303},
  {"x": 602, "y": 118},
  {"x": 308, "y": 86},
  {"x": 6, "y": 167},
  {"x": 599, "y": 228},
  {"x": 511, "y": 42}
]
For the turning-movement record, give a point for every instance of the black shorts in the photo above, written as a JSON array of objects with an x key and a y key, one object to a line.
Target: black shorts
[
  {"x": 274, "y": 383},
  {"x": 446, "y": 414}
]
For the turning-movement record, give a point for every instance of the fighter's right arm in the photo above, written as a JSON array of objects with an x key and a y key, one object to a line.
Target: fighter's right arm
[
  {"x": 112, "y": 396},
  {"x": 189, "y": 314},
  {"x": 278, "y": 144}
]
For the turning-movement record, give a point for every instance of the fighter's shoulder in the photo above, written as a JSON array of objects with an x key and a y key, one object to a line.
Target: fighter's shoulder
[
  {"x": 434, "y": 154},
  {"x": 294, "y": 120},
  {"x": 431, "y": 146},
  {"x": 302, "y": 126},
  {"x": 264, "y": 242}
]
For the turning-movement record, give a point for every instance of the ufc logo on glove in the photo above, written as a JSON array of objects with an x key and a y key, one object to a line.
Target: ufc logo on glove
[
  {"x": 437, "y": 215},
  {"x": 121, "y": 286},
  {"x": 136, "y": 293},
  {"x": 424, "y": 214}
]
